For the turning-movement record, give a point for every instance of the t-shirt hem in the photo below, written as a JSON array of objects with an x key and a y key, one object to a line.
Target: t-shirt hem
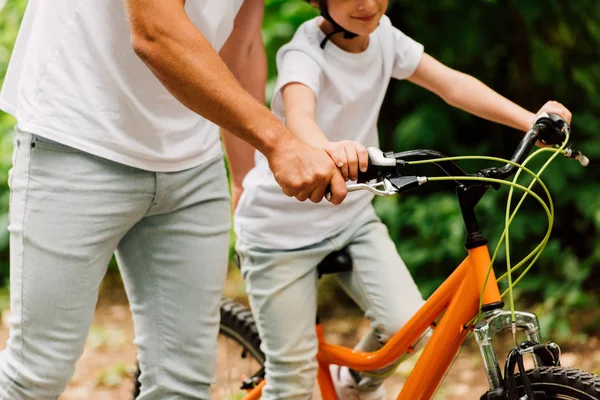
[
  {"x": 8, "y": 107},
  {"x": 280, "y": 242},
  {"x": 154, "y": 166}
]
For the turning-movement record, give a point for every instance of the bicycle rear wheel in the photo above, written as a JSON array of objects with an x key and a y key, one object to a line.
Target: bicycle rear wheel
[
  {"x": 239, "y": 357},
  {"x": 556, "y": 383}
]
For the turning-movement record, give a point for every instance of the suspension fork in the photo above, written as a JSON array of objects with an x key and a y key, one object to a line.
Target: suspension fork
[{"x": 498, "y": 321}]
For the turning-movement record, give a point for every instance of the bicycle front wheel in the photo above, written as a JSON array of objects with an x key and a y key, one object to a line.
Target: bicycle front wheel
[
  {"x": 239, "y": 358},
  {"x": 556, "y": 383}
]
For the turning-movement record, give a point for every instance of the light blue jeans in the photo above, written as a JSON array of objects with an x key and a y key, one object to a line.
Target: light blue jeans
[
  {"x": 282, "y": 288},
  {"x": 69, "y": 211}
]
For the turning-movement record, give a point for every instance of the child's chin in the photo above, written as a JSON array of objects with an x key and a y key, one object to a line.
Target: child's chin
[{"x": 365, "y": 29}]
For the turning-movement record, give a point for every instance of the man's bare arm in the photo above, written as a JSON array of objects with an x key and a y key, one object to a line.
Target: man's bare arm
[
  {"x": 244, "y": 54},
  {"x": 185, "y": 62}
]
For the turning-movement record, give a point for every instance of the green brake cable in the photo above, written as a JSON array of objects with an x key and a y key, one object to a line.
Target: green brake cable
[
  {"x": 546, "y": 238},
  {"x": 521, "y": 168},
  {"x": 502, "y": 182},
  {"x": 508, "y": 221},
  {"x": 540, "y": 248},
  {"x": 487, "y": 158},
  {"x": 498, "y": 160}
]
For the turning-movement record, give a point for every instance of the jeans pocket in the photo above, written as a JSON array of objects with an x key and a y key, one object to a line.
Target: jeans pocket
[{"x": 48, "y": 144}]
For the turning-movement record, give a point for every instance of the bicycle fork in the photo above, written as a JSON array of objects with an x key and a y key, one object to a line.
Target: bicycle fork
[{"x": 498, "y": 321}]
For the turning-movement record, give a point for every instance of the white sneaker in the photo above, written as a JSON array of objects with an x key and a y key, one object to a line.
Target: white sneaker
[{"x": 348, "y": 388}]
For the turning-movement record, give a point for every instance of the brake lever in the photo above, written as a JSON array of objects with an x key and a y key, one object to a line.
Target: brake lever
[
  {"x": 388, "y": 188},
  {"x": 391, "y": 186}
]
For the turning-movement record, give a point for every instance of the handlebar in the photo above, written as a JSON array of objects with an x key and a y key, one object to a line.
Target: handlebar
[{"x": 548, "y": 129}]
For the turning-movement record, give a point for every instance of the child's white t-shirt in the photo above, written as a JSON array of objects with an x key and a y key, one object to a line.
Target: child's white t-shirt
[{"x": 349, "y": 88}]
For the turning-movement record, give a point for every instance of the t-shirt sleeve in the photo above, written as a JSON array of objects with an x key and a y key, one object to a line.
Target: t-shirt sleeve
[
  {"x": 295, "y": 66},
  {"x": 407, "y": 55}
]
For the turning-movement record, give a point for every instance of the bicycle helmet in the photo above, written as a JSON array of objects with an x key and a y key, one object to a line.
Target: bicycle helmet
[{"x": 337, "y": 28}]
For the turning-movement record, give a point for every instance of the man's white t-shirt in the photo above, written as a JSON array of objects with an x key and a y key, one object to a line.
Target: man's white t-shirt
[
  {"x": 349, "y": 88},
  {"x": 74, "y": 78}
]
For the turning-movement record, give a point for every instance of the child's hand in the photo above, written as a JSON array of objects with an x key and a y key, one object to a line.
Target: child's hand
[
  {"x": 554, "y": 107},
  {"x": 349, "y": 157}
]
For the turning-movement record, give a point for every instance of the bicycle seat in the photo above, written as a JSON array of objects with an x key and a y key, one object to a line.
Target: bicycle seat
[{"x": 335, "y": 262}]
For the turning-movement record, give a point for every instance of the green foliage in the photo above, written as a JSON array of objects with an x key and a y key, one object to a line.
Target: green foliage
[
  {"x": 114, "y": 375},
  {"x": 282, "y": 17},
  {"x": 10, "y": 19},
  {"x": 530, "y": 52}
]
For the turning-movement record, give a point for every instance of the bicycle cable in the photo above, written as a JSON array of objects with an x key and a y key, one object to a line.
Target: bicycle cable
[{"x": 509, "y": 217}]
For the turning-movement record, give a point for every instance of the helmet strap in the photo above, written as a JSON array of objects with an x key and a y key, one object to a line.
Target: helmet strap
[{"x": 337, "y": 28}]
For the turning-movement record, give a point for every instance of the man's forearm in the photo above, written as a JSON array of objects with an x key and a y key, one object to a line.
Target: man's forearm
[
  {"x": 185, "y": 62},
  {"x": 188, "y": 66}
]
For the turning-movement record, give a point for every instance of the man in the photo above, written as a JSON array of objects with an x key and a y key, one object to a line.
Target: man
[{"x": 111, "y": 154}]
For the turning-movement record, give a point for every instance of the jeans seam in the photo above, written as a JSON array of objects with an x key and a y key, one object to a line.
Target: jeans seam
[
  {"x": 377, "y": 316},
  {"x": 367, "y": 295},
  {"x": 248, "y": 257},
  {"x": 159, "y": 324},
  {"x": 154, "y": 202}
]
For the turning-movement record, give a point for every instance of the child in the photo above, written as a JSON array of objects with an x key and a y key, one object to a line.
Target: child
[{"x": 331, "y": 84}]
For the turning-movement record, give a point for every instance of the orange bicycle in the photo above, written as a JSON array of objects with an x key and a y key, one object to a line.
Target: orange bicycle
[{"x": 469, "y": 301}]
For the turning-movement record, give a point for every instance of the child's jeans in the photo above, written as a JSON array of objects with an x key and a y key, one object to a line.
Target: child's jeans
[{"x": 282, "y": 287}]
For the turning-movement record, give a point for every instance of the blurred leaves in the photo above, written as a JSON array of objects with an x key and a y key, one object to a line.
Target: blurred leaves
[
  {"x": 11, "y": 13},
  {"x": 114, "y": 375},
  {"x": 530, "y": 52},
  {"x": 101, "y": 336}
]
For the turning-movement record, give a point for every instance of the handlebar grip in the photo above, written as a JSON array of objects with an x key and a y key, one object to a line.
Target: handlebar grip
[
  {"x": 369, "y": 174},
  {"x": 379, "y": 165},
  {"x": 551, "y": 128}
]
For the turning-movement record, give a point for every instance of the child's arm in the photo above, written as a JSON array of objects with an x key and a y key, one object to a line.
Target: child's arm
[
  {"x": 469, "y": 94},
  {"x": 299, "y": 103}
]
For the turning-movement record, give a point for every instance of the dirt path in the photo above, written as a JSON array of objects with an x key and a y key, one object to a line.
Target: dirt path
[{"x": 104, "y": 371}]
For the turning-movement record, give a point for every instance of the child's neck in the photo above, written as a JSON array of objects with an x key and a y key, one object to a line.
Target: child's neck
[{"x": 355, "y": 45}]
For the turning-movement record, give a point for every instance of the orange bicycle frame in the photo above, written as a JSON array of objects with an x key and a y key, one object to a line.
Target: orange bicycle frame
[{"x": 457, "y": 299}]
